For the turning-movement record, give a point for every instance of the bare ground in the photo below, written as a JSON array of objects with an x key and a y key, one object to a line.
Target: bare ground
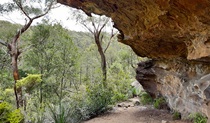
[{"x": 126, "y": 112}]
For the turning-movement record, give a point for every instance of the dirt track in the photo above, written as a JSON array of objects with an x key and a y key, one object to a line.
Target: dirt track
[{"x": 135, "y": 114}]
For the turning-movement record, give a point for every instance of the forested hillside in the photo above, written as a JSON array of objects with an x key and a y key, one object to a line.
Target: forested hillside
[{"x": 61, "y": 78}]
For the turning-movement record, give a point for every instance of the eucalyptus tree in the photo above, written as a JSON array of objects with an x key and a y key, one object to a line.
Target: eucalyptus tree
[
  {"x": 96, "y": 26},
  {"x": 30, "y": 10}
]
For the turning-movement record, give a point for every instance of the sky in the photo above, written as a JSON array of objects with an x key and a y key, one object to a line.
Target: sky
[{"x": 62, "y": 14}]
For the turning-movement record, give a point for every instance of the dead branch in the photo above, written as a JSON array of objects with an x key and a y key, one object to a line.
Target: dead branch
[{"x": 3, "y": 43}]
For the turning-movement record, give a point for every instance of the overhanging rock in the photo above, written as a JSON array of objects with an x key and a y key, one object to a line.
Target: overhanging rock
[{"x": 157, "y": 28}]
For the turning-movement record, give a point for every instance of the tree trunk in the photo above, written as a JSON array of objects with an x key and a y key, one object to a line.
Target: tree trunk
[
  {"x": 41, "y": 93},
  {"x": 80, "y": 76},
  {"x": 14, "y": 52},
  {"x": 14, "y": 55},
  {"x": 103, "y": 58}
]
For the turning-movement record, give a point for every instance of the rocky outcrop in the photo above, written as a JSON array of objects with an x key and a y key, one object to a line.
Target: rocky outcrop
[
  {"x": 186, "y": 85},
  {"x": 175, "y": 34}
]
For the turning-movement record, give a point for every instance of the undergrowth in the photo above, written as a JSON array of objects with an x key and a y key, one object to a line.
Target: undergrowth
[
  {"x": 176, "y": 115},
  {"x": 198, "y": 118},
  {"x": 159, "y": 102},
  {"x": 145, "y": 98}
]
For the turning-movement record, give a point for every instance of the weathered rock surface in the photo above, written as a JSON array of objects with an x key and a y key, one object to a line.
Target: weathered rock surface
[
  {"x": 137, "y": 86},
  {"x": 157, "y": 28},
  {"x": 186, "y": 85},
  {"x": 174, "y": 33}
]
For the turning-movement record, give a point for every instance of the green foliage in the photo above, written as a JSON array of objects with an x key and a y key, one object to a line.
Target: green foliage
[
  {"x": 67, "y": 85},
  {"x": 16, "y": 116},
  {"x": 22, "y": 73},
  {"x": 7, "y": 115},
  {"x": 120, "y": 82},
  {"x": 98, "y": 98},
  {"x": 198, "y": 118},
  {"x": 90, "y": 102},
  {"x": 117, "y": 97},
  {"x": 9, "y": 91},
  {"x": 159, "y": 102},
  {"x": 176, "y": 115},
  {"x": 30, "y": 9},
  {"x": 29, "y": 82},
  {"x": 7, "y": 95},
  {"x": 145, "y": 98},
  {"x": 5, "y": 109},
  {"x": 8, "y": 30},
  {"x": 7, "y": 7},
  {"x": 60, "y": 117},
  {"x": 6, "y": 78},
  {"x": 136, "y": 91}
]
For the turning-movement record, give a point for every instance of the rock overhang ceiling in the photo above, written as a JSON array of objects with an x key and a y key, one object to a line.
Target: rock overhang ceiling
[{"x": 157, "y": 28}]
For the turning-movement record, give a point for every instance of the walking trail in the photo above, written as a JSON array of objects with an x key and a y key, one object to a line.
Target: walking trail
[{"x": 127, "y": 112}]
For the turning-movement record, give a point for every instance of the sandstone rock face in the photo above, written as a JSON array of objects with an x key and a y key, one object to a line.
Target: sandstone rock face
[
  {"x": 175, "y": 34},
  {"x": 186, "y": 85}
]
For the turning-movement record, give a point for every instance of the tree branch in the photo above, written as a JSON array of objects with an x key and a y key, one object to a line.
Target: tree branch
[
  {"x": 103, "y": 26},
  {"x": 93, "y": 23},
  {"x": 21, "y": 8},
  {"x": 24, "y": 28},
  {"x": 107, "y": 46},
  {"x": 110, "y": 40},
  {"x": 101, "y": 39},
  {"x": 44, "y": 13},
  {"x": 3, "y": 43},
  {"x": 25, "y": 49},
  {"x": 87, "y": 28}
]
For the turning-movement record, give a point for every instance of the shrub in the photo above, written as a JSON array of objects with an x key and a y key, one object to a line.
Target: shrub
[
  {"x": 9, "y": 116},
  {"x": 136, "y": 91},
  {"x": 60, "y": 114},
  {"x": 30, "y": 82},
  {"x": 198, "y": 118},
  {"x": 176, "y": 115},
  {"x": 98, "y": 98},
  {"x": 90, "y": 101},
  {"x": 118, "y": 97},
  {"x": 159, "y": 103},
  {"x": 5, "y": 109},
  {"x": 145, "y": 98},
  {"x": 16, "y": 116}
]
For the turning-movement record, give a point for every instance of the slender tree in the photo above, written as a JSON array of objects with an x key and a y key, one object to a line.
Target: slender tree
[
  {"x": 30, "y": 13},
  {"x": 96, "y": 26}
]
